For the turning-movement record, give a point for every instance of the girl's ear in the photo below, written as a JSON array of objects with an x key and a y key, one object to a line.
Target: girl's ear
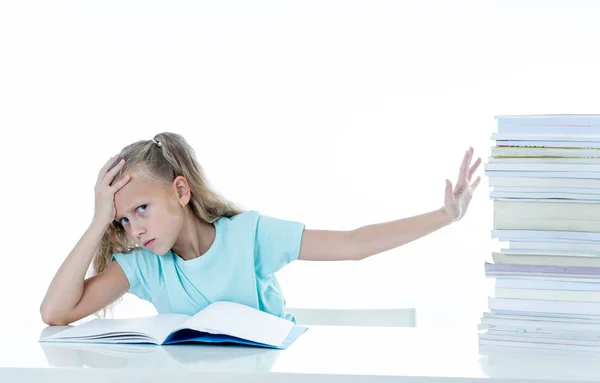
[{"x": 183, "y": 190}]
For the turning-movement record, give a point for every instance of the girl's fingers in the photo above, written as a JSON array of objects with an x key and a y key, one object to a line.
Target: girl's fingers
[
  {"x": 106, "y": 166},
  {"x": 475, "y": 183},
  {"x": 118, "y": 185},
  {"x": 474, "y": 168},
  {"x": 111, "y": 174},
  {"x": 109, "y": 162},
  {"x": 463, "y": 169}
]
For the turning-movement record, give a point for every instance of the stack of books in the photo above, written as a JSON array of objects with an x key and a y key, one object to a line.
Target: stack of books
[{"x": 544, "y": 174}]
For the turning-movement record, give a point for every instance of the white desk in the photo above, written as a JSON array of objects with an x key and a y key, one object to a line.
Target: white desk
[{"x": 322, "y": 354}]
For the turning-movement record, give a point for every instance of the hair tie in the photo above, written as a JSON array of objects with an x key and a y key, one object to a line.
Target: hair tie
[{"x": 157, "y": 142}]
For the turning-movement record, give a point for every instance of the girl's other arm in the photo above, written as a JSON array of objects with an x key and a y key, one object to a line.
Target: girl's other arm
[
  {"x": 327, "y": 245},
  {"x": 354, "y": 245}
]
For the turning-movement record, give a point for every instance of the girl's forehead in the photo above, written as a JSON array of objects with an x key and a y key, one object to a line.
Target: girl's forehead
[{"x": 136, "y": 189}]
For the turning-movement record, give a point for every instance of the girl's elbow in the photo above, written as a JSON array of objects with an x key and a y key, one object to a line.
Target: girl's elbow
[{"x": 51, "y": 319}]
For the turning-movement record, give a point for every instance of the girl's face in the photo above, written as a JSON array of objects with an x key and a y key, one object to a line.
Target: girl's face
[{"x": 151, "y": 214}]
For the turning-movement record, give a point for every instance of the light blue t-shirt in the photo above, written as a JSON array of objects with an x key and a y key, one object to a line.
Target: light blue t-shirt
[{"x": 239, "y": 267}]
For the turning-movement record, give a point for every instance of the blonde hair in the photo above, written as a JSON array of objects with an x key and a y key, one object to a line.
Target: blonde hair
[{"x": 162, "y": 159}]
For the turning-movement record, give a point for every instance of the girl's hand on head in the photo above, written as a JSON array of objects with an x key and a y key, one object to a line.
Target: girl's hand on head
[
  {"x": 104, "y": 190},
  {"x": 457, "y": 200}
]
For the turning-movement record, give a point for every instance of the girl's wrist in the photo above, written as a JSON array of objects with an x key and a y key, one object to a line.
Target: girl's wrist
[{"x": 447, "y": 218}]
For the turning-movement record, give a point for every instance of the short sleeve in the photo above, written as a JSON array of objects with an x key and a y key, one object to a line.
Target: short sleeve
[
  {"x": 277, "y": 244},
  {"x": 138, "y": 266}
]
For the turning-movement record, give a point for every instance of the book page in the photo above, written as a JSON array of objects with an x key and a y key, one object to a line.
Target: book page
[
  {"x": 241, "y": 321},
  {"x": 156, "y": 328}
]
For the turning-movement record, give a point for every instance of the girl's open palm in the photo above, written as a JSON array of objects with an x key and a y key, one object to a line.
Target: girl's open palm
[{"x": 457, "y": 199}]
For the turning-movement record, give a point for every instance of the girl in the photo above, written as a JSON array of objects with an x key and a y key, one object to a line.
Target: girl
[{"x": 161, "y": 233}]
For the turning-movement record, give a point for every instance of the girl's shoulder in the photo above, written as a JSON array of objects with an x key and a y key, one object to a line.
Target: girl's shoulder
[
  {"x": 243, "y": 219},
  {"x": 137, "y": 255},
  {"x": 136, "y": 252}
]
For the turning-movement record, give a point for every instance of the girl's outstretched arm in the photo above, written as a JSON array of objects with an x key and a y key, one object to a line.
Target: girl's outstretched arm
[{"x": 328, "y": 245}]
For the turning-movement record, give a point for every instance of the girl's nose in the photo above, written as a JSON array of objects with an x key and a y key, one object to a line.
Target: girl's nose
[{"x": 137, "y": 230}]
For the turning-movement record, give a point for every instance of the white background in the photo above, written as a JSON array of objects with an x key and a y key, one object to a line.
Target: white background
[{"x": 337, "y": 114}]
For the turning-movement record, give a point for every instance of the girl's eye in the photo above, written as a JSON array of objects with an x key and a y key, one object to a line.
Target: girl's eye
[{"x": 144, "y": 206}]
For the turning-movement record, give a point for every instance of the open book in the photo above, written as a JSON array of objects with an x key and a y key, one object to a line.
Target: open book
[{"x": 219, "y": 322}]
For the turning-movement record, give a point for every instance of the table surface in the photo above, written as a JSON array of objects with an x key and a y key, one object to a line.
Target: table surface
[{"x": 323, "y": 353}]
